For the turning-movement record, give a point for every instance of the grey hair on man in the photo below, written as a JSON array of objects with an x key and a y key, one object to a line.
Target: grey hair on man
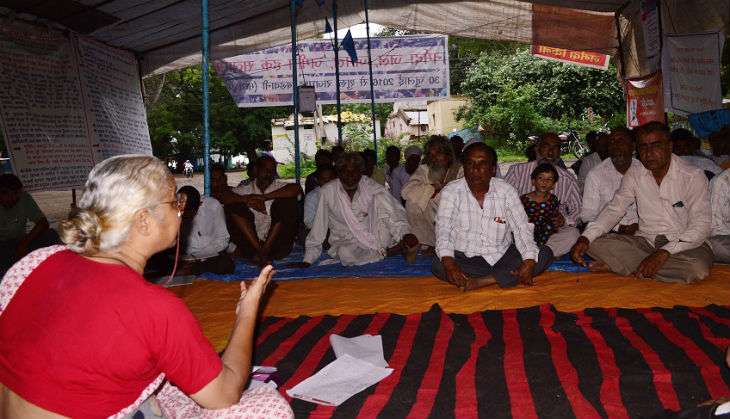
[{"x": 442, "y": 145}]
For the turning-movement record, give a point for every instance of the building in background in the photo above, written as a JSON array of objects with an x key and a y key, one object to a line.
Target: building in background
[{"x": 442, "y": 115}]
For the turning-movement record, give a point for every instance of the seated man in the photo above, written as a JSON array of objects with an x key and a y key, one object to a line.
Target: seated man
[
  {"x": 599, "y": 148},
  {"x": 518, "y": 175},
  {"x": 17, "y": 208},
  {"x": 371, "y": 166},
  {"x": 720, "y": 203},
  {"x": 422, "y": 191},
  {"x": 322, "y": 159},
  {"x": 604, "y": 180},
  {"x": 720, "y": 144},
  {"x": 687, "y": 146},
  {"x": 477, "y": 217},
  {"x": 262, "y": 217},
  {"x": 402, "y": 174},
  {"x": 673, "y": 203},
  {"x": 203, "y": 233},
  {"x": 392, "y": 162},
  {"x": 311, "y": 201},
  {"x": 365, "y": 222}
]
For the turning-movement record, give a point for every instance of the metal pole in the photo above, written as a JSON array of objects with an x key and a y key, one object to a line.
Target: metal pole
[
  {"x": 336, "y": 47},
  {"x": 372, "y": 88},
  {"x": 206, "y": 99},
  {"x": 295, "y": 86}
]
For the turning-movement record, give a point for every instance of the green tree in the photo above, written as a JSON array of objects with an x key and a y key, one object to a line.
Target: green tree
[
  {"x": 515, "y": 95},
  {"x": 174, "y": 116}
]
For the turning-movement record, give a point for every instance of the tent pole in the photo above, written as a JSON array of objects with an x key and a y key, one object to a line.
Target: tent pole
[
  {"x": 336, "y": 47},
  {"x": 295, "y": 86},
  {"x": 372, "y": 88},
  {"x": 206, "y": 99}
]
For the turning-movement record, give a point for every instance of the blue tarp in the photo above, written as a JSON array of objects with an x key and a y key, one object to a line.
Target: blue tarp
[{"x": 328, "y": 268}]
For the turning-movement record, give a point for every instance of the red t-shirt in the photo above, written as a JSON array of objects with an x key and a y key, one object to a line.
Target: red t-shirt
[{"x": 83, "y": 339}]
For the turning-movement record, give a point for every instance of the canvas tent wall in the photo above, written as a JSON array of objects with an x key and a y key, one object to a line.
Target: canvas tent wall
[{"x": 165, "y": 34}]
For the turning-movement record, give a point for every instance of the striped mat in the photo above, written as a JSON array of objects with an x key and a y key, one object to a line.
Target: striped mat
[{"x": 521, "y": 363}]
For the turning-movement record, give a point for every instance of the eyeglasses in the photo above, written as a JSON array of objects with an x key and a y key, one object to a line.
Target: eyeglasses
[{"x": 177, "y": 203}]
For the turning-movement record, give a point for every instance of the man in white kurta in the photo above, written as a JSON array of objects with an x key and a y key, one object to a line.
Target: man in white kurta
[
  {"x": 673, "y": 204},
  {"x": 422, "y": 191},
  {"x": 605, "y": 179},
  {"x": 364, "y": 220},
  {"x": 720, "y": 201}
]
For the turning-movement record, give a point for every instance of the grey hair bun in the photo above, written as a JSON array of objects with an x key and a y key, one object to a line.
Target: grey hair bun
[{"x": 81, "y": 231}]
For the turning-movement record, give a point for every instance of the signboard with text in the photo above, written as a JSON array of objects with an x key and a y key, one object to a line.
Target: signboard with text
[
  {"x": 584, "y": 58},
  {"x": 644, "y": 100},
  {"x": 691, "y": 67},
  {"x": 66, "y": 103},
  {"x": 408, "y": 67}
]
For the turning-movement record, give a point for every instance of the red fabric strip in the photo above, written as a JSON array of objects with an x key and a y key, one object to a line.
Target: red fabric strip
[
  {"x": 709, "y": 370},
  {"x": 397, "y": 361},
  {"x": 273, "y": 328},
  {"x": 374, "y": 328},
  {"x": 610, "y": 385},
  {"x": 466, "y": 390},
  {"x": 432, "y": 378},
  {"x": 315, "y": 355},
  {"x": 563, "y": 367},
  {"x": 719, "y": 341},
  {"x": 707, "y": 313},
  {"x": 520, "y": 396},
  {"x": 291, "y": 342},
  {"x": 661, "y": 376}
]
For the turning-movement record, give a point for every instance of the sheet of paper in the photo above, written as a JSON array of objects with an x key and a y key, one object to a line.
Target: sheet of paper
[
  {"x": 368, "y": 348},
  {"x": 338, "y": 381}
]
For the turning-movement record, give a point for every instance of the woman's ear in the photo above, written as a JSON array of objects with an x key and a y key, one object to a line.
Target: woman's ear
[{"x": 143, "y": 222}]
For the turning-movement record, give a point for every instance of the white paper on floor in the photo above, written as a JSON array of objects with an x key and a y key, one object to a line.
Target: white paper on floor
[
  {"x": 367, "y": 348},
  {"x": 338, "y": 381}
]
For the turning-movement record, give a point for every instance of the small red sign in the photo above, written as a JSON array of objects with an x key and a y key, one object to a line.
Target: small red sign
[{"x": 584, "y": 58}]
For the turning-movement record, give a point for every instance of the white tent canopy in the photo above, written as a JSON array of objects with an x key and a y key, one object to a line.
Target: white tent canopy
[{"x": 165, "y": 34}]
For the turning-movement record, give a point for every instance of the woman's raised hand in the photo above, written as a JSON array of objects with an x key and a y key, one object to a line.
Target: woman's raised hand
[{"x": 251, "y": 294}]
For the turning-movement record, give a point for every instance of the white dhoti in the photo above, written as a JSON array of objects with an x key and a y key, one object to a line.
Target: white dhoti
[{"x": 362, "y": 229}]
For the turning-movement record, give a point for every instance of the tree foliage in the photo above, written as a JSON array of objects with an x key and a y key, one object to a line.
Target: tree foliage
[
  {"x": 175, "y": 118},
  {"x": 516, "y": 95}
]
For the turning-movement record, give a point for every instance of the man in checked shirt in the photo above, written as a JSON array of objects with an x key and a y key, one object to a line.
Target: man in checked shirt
[{"x": 476, "y": 220}]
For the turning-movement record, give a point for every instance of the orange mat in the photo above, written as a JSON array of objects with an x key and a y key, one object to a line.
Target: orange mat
[{"x": 214, "y": 302}]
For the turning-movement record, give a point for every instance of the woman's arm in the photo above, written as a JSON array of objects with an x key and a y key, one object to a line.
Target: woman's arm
[{"x": 225, "y": 390}]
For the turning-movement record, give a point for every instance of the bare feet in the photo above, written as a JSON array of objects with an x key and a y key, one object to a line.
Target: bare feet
[
  {"x": 479, "y": 282},
  {"x": 598, "y": 266},
  {"x": 410, "y": 253}
]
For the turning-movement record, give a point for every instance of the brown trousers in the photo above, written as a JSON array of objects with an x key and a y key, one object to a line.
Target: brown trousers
[
  {"x": 623, "y": 254},
  {"x": 283, "y": 210}
]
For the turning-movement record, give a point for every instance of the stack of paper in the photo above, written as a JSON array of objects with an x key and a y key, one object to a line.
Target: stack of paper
[{"x": 360, "y": 363}]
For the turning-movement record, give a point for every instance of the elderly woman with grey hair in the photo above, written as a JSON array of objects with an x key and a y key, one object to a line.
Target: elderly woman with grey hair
[
  {"x": 82, "y": 334},
  {"x": 422, "y": 191}
]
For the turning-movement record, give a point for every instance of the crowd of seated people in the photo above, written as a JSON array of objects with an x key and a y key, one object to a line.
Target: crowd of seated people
[{"x": 644, "y": 210}]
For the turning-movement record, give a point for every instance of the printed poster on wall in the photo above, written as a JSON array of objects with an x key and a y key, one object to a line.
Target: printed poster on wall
[
  {"x": 691, "y": 68},
  {"x": 41, "y": 109},
  {"x": 66, "y": 104},
  {"x": 403, "y": 68},
  {"x": 644, "y": 100}
]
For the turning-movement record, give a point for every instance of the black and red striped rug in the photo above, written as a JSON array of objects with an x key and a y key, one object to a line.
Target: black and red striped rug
[{"x": 524, "y": 363}]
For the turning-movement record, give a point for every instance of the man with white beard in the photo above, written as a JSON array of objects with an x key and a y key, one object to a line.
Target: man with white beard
[
  {"x": 365, "y": 222},
  {"x": 423, "y": 190}
]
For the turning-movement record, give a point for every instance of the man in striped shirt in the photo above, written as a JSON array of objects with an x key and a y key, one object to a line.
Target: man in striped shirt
[
  {"x": 477, "y": 217},
  {"x": 548, "y": 151}
]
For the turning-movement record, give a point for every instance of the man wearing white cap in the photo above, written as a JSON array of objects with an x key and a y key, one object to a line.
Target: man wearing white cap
[{"x": 403, "y": 172}]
